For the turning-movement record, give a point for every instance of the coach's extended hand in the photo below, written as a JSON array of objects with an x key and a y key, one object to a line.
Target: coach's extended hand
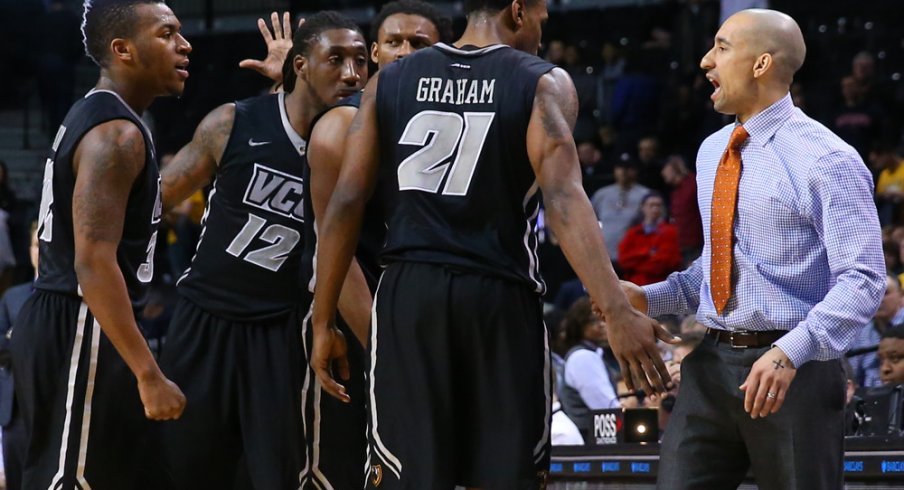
[{"x": 329, "y": 345}]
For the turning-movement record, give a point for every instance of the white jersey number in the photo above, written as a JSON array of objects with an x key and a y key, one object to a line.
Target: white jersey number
[
  {"x": 271, "y": 257},
  {"x": 453, "y": 134}
]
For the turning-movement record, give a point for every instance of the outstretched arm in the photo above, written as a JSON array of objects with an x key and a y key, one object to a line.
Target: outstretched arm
[
  {"x": 196, "y": 163},
  {"x": 553, "y": 155},
  {"x": 340, "y": 226},
  {"x": 108, "y": 160},
  {"x": 325, "y": 153}
]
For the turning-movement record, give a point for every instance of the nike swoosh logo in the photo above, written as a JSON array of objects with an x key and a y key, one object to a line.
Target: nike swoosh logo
[{"x": 251, "y": 142}]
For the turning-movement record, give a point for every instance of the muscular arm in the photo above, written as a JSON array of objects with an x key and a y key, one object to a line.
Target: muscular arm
[
  {"x": 107, "y": 162},
  {"x": 325, "y": 153},
  {"x": 339, "y": 228},
  {"x": 196, "y": 163},
  {"x": 554, "y": 158}
]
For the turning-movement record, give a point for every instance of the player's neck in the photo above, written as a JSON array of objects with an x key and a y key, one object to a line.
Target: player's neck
[
  {"x": 483, "y": 30},
  {"x": 301, "y": 110},
  {"x": 132, "y": 94}
]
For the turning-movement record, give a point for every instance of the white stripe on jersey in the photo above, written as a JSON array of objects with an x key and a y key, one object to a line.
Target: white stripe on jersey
[{"x": 532, "y": 258}]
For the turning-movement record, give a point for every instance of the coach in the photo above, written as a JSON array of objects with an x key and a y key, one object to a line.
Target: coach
[{"x": 792, "y": 269}]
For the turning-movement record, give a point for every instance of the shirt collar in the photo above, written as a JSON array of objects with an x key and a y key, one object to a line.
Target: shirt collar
[
  {"x": 898, "y": 319},
  {"x": 763, "y": 126}
]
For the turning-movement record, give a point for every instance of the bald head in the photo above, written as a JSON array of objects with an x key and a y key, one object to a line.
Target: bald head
[{"x": 774, "y": 33}]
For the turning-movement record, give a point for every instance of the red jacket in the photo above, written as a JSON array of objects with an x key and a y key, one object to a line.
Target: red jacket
[{"x": 648, "y": 258}]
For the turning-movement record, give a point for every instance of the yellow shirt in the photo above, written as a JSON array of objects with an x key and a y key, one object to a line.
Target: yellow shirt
[{"x": 891, "y": 181}]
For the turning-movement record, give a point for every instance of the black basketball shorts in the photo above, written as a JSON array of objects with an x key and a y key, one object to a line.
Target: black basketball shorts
[
  {"x": 83, "y": 417},
  {"x": 335, "y": 432},
  {"x": 459, "y": 382},
  {"x": 242, "y": 382}
]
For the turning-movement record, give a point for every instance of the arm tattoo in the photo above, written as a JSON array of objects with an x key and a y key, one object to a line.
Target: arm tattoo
[
  {"x": 558, "y": 106},
  {"x": 778, "y": 364},
  {"x": 108, "y": 174}
]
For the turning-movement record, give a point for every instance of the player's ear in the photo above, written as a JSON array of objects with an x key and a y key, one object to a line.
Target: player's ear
[
  {"x": 517, "y": 10},
  {"x": 300, "y": 63},
  {"x": 374, "y": 48},
  {"x": 121, "y": 49}
]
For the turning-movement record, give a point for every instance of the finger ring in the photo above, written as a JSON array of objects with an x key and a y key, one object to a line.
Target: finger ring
[{"x": 770, "y": 395}]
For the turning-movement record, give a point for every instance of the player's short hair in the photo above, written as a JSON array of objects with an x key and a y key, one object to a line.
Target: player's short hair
[
  {"x": 895, "y": 332},
  {"x": 472, "y": 6},
  {"x": 442, "y": 23},
  {"x": 308, "y": 34},
  {"x": 105, "y": 20}
]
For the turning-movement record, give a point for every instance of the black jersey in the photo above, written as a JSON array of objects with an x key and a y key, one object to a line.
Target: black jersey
[
  {"x": 453, "y": 126},
  {"x": 373, "y": 229},
  {"x": 247, "y": 263},
  {"x": 135, "y": 254}
]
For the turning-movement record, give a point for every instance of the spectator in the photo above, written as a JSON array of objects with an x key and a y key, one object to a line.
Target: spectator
[
  {"x": 7, "y": 206},
  {"x": 589, "y": 380},
  {"x": 685, "y": 211},
  {"x": 14, "y": 438},
  {"x": 611, "y": 69},
  {"x": 555, "y": 53},
  {"x": 856, "y": 120},
  {"x": 591, "y": 158},
  {"x": 569, "y": 292},
  {"x": 650, "y": 171},
  {"x": 890, "y": 314},
  {"x": 889, "y": 185},
  {"x": 616, "y": 205},
  {"x": 891, "y": 355},
  {"x": 649, "y": 252},
  {"x": 636, "y": 98},
  {"x": 892, "y": 250},
  {"x": 562, "y": 431}
]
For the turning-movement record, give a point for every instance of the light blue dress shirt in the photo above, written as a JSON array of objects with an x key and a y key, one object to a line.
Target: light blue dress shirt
[{"x": 808, "y": 247}]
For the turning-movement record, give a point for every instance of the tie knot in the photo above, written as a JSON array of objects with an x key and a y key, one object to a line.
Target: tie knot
[{"x": 738, "y": 137}]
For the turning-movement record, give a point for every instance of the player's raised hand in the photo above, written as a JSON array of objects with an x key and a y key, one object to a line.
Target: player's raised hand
[
  {"x": 632, "y": 336},
  {"x": 162, "y": 399},
  {"x": 279, "y": 42},
  {"x": 329, "y": 346}
]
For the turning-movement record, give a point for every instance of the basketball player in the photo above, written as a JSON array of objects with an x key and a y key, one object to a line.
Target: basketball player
[
  {"x": 231, "y": 346},
  {"x": 459, "y": 138},
  {"x": 97, "y": 228},
  {"x": 336, "y": 431}
]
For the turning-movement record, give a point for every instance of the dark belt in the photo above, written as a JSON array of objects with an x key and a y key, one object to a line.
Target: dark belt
[{"x": 745, "y": 339}]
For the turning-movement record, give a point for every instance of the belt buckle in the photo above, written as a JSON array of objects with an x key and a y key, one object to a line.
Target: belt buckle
[{"x": 738, "y": 334}]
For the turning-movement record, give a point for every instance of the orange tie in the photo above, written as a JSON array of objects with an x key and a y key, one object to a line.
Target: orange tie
[{"x": 725, "y": 198}]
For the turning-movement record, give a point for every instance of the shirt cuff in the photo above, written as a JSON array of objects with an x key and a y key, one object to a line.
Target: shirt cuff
[
  {"x": 798, "y": 345},
  {"x": 661, "y": 300}
]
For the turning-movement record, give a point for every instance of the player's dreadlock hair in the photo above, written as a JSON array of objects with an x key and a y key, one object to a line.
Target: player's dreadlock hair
[
  {"x": 472, "y": 6},
  {"x": 442, "y": 23},
  {"x": 105, "y": 20},
  {"x": 307, "y": 35}
]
